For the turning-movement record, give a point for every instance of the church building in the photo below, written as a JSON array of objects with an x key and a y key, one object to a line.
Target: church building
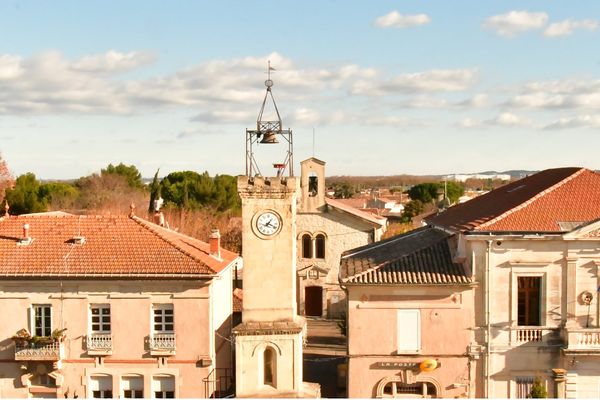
[{"x": 326, "y": 228}]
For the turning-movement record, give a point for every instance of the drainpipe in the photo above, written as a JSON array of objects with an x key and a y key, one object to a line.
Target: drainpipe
[{"x": 488, "y": 333}]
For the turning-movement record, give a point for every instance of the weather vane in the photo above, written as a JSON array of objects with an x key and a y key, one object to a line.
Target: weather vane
[{"x": 269, "y": 82}]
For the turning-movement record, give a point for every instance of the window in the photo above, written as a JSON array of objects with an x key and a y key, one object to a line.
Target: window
[
  {"x": 43, "y": 380},
  {"x": 524, "y": 384},
  {"x": 409, "y": 331},
  {"x": 101, "y": 387},
  {"x": 163, "y": 318},
  {"x": 163, "y": 387},
  {"x": 42, "y": 320},
  {"x": 306, "y": 246},
  {"x": 529, "y": 301},
  {"x": 320, "y": 246},
  {"x": 269, "y": 366},
  {"x": 100, "y": 319},
  {"x": 401, "y": 389},
  {"x": 133, "y": 387}
]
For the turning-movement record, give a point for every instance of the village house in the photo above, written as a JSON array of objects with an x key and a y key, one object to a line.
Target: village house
[
  {"x": 112, "y": 306},
  {"x": 410, "y": 310},
  {"x": 325, "y": 228},
  {"x": 534, "y": 249},
  {"x": 505, "y": 284}
]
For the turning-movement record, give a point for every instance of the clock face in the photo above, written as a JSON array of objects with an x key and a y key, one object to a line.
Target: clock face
[{"x": 268, "y": 223}]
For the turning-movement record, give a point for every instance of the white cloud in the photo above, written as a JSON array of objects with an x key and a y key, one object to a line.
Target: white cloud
[
  {"x": 567, "y": 27},
  {"x": 224, "y": 91},
  {"x": 562, "y": 94},
  {"x": 447, "y": 80},
  {"x": 479, "y": 100},
  {"x": 10, "y": 66},
  {"x": 468, "y": 123},
  {"x": 581, "y": 121},
  {"x": 113, "y": 61},
  {"x": 394, "y": 19},
  {"x": 508, "y": 119},
  {"x": 515, "y": 22}
]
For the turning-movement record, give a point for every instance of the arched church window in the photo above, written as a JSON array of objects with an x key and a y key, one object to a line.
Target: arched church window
[
  {"x": 320, "y": 246},
  {"x": 306, "y": 246},
  {"x": 269, "y": 366}
]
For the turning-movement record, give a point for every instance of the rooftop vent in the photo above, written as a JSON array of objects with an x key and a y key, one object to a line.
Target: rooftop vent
[{"x": 78, "y": 240}]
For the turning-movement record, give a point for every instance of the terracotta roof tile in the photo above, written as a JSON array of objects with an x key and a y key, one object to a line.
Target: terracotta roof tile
[
  {"x": 543, "y": 202},
  {"x": 381, "y": 221},
  {"x": 418, "y": 257},
  {"x": 114, "y": 245}
]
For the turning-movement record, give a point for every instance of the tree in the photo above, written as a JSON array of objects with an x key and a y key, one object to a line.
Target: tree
[
  {"x": 454, "y": 191},
  {"x": 58, "y": 195},
  {"x": 343, "y": 190},
  {"x": 411, "y": 210},
  {"x": 154, "y": 192},
  {"x": 193, "y": 191},
  {"x": 24, "y": 198},
  {"x": 129, "y": 172},
  {"x": 538, "y": 390},
  {"x": 424, "y": 192},
  {"x": 108, "y": 193}
]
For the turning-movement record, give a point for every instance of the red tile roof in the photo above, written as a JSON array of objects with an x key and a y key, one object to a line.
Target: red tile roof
[
  {"x": 380, "y": 221},
  {"x": 419, "y": 257},
  {"x": 537, "y": 203},
  {"x": 114, "y": 246}
]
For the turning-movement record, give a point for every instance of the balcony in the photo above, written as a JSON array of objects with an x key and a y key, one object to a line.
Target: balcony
[
  {"x": 534, "y": 336},
  {"x": 582, "y": 340},
  {"x": 99, "y": 344},
  {"x": 162, "y": 344},
  {"x": 39, "y": 352}
]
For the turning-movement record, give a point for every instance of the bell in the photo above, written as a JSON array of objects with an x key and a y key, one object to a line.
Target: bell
[{"x": 269, "y": 137}]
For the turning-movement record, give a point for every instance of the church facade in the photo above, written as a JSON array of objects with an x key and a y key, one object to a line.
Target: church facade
[{"x": 325, "y": 229}]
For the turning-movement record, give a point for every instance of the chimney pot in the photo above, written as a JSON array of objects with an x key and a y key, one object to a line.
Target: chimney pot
[
  {"x": 25, "y": 231},
  {"x": 214, "y": 242}
]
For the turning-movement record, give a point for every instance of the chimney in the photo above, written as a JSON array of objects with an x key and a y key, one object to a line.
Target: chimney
[
  {"x": 214, "y": 242},
  {"x": 26, "y": 239},
  {"x": 159, "y": 218}
]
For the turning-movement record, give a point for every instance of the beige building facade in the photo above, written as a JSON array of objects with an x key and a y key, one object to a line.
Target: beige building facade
[
  {"x": 103, "y": 307},
  {"x": 325, "y": 229},
  {"x": 533, "y": 247}
]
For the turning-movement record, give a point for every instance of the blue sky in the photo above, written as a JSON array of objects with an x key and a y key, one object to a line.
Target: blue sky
[{"x": 390, "y": 87}]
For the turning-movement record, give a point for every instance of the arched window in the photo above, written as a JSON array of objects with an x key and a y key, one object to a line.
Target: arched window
[
  {"x": 306, "y": 246},
  {"x": 320, "y": 246},
  {"x": 269, "y": 367}
]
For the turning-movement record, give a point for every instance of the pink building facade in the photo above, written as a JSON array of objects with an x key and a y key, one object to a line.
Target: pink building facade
[
  {"x": 112, "y": 307},
  {"x": 410, "y": 310}
]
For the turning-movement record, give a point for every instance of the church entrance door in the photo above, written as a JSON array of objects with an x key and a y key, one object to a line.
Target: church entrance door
[{"x": 313, "y": 301}]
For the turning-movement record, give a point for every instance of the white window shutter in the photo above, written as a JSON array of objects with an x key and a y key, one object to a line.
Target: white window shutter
[{"x": 409, "y": 331}]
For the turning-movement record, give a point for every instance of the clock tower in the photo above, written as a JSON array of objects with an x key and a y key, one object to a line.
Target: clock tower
[{"x": 268, "y": 342}]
